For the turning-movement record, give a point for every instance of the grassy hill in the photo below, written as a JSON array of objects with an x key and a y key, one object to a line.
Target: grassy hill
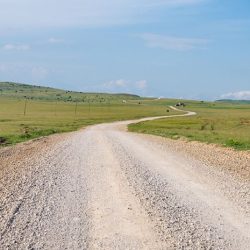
[{"x": 33, "y": 92}]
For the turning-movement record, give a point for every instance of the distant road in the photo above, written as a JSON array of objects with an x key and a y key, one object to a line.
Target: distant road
[{"x": 105, "y": 188}]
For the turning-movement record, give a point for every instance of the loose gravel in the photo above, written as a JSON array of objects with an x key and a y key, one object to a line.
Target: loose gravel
[{"x": 105, "y": 188}]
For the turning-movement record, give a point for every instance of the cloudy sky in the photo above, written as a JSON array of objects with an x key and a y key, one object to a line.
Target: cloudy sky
[{"x": 196, "y": 49}]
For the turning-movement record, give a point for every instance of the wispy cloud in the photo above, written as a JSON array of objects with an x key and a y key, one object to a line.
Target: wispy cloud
[
  {"x": 171, "y": 2},
  {"x": 125, "y": 85},
  {"x": 22, "y": 71},
  {"x": 173, "y": 43},
  {"x": 121, "y": 83},
  {"x": 84, "y": 13},
  {"x": 240, "y": 95},
  {"x": 54, "y": 40},
  {"x": 10, "y": 46}
]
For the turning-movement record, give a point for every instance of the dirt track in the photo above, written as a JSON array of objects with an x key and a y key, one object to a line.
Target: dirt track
[{"x": 105, "y": 188}]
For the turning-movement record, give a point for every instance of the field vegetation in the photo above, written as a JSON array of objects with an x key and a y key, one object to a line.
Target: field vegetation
[
  {"x": 226, "y": 123},
  {"x": 28, "y": 112}
]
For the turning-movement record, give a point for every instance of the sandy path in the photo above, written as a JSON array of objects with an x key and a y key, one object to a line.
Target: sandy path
[{"x": 105, "y": 188}]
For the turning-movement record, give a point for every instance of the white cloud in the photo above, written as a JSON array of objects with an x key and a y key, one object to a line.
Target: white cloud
[
  {"x": 125, "y": 85},
  {"x": 85, "y": 13},
  {"x": 23, "y": 71},
  {"x": 55, "y": 40},
  {"x": 141, "y": 84},
  {"x": 121, "y": 83},
  {"x": 172, "y": 43},
  {"x": 10, "y": 46},
  {"x": 171, "y": 3},
  {"x": 241, "y": 95}
]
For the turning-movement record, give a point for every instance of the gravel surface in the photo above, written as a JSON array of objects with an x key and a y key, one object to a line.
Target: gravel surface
[{"x": 105, "y": 188}]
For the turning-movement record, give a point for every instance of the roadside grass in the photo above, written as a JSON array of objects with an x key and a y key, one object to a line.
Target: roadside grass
[
  {"x": 48, "y": 117},
  {"x": 227, "y": 124},
  {"x": 50, "y": 110}
]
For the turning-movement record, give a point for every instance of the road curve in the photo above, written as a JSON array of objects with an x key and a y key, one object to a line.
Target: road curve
[{"x": 105, "y": 188}]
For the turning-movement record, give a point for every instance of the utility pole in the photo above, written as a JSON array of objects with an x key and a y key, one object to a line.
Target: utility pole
[
  {"x": 25, "y": 107},
  {"x": 109, "y": 107},
  {"x": 89, "y": 108},
  {"x": 55, "y": 107},
  {"x": 76, "y": 108}
]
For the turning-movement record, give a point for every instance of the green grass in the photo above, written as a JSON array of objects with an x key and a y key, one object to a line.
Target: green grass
[
  {"x": 48, "y": 117},
  {"x": 226, "y": 123},
  {"x": 52, "y": 110},
  {"x": 32, "y": 92}
]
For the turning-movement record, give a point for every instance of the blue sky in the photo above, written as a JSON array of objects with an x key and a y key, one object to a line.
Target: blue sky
[{"x": 197, "y": 49}]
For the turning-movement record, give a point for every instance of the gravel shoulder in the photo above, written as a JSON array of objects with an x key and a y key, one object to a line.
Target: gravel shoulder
[{"x": 105, "y": 188}]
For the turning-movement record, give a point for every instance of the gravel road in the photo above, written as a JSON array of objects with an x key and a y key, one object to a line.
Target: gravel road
[{"x": 105, "y": 188}]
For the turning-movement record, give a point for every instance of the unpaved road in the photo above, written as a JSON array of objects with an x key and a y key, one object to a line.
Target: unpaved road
[{"x": 105, "y": 188}]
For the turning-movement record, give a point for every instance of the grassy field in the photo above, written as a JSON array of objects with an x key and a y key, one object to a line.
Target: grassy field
[
  {"x": 225, "y": 123},
  {"x": 28, "y": 112},
  {"x": 25, "y": 116}
]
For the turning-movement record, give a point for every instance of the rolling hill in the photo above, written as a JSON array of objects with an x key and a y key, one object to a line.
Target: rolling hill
[{"x": 17, "y": 90}]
